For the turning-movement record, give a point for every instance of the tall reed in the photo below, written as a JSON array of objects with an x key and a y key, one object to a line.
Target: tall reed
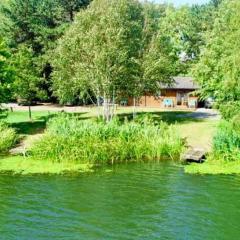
[
  {"x": 8, "y": 138},
  {"x": 227, "y": 140},
  {"x": 69, "y": 139}
]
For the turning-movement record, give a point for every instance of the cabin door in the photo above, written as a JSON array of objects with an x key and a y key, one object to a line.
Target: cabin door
[{"x": 182, "y": 98}]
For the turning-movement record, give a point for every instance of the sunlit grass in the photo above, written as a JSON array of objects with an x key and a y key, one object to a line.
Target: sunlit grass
[
  {"x": 214, "y": 167},
  {"x": 26, "y": 165},
  {"x": 70, "y": 139}
]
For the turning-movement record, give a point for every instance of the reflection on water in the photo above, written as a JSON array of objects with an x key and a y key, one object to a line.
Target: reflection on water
[{"x": 142, "y": 201}]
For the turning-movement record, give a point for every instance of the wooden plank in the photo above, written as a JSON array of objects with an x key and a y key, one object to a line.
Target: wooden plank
[{"x": 195, "y": 155}]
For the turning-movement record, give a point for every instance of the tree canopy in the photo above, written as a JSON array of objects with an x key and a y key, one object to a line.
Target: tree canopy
[
  {"x": 101, "y": 50},
  {"x": 38, "y": 25},
  {"x": 6, "y": 73},
  {"x": 218, "y": 69},
  {"x": 77, "y": 48}
]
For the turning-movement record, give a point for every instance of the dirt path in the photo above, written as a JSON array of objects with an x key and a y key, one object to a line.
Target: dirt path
[{"x": 25, "y": 144}]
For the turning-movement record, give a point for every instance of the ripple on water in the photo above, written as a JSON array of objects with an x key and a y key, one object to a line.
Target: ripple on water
[{"x": 135, "y": 201}]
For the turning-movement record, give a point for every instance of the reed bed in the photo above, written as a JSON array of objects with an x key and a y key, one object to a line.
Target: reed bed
[
  {"x": 227, "y": 141},
  {"x": 8, "y": 138},
  {"x": 72, "y": 140}
]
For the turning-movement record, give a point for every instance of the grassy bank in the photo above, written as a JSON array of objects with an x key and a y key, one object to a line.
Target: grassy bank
[
  {"x": 225, "y": 155},
  {"x": 214, "y": 167},
  {"x": 197, "y": 132},
  {"x": 69, "y": 139},
  {"x": 8, "y": 137},
  {"x": 70, "y": 144}
]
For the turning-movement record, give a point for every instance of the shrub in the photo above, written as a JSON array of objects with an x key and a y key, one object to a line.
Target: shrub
[
  {"x": 230, "y": 109},
  {"x": 8, "y": 137},
  {"x": 69, "y": 139},
  {"x": 227, "y": 140}
]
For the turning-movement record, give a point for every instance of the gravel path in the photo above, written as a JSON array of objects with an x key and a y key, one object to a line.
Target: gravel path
[{"x": 203, "y": 113}]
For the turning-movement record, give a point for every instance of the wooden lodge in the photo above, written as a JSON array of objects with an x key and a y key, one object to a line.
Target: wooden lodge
[{"x": 181, "y": 93}]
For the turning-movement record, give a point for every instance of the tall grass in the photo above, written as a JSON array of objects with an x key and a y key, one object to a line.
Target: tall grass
[
  {"x": 7, "y": 139},
  {"x": 225, "y": 155},
  {"x": 72, "y": 140},
  {"x": 227, "y": 140}
]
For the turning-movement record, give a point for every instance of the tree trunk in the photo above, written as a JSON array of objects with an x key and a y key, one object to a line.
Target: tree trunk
[
  {"x": 113, "y": 106},
  {"x": 106, "y": 112},
  {"x": 98, "y": 107},
  {"x": 134, "y": 107},
  {"x": 71, "y": 15},
  {"x": 29, "y": 112}
]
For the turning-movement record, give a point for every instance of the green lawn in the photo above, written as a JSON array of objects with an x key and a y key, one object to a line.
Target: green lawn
[
  {"x": 24, "y": 126},
  {"x": 198, "y": 132}
]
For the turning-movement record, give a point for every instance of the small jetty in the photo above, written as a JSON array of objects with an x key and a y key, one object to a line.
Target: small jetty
[{"x": 195, "y": 155}]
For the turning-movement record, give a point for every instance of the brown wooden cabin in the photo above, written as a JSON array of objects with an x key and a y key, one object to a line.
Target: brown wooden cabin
[{"x": 181, "y": 93}]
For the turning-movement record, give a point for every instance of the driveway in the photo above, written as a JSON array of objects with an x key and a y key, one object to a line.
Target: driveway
[{"x": 203, "y": 113}]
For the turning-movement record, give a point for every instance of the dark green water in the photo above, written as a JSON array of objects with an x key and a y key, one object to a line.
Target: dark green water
[{"x": 133, "y": 202}]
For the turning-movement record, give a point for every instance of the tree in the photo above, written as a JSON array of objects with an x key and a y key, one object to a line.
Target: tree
[
  {"x": 6, "y": 73},
  {"x": 153, "y": 14},
  {"x": 26, "y": 84},
  {"x": 176, "y": 43},
  {"x": 218, "y": 70},
  {"x": 72, "y": 6},
  {"x": 38, "y": 24},
  {"x": 159, "y": 64},
  {"x": 100, "y": 52}
]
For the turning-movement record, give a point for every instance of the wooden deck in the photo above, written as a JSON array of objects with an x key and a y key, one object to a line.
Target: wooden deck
[{"x": 195, "y": 155}]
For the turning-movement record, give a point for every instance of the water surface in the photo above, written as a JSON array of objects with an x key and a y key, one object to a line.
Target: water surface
[{"x": 136, "y": 201}]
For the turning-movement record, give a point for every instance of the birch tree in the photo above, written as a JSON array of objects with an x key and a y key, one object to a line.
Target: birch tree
[{"x": 101, "y": 52}]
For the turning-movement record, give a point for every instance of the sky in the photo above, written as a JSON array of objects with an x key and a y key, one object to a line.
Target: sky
[{"x": 182, "y": 2}]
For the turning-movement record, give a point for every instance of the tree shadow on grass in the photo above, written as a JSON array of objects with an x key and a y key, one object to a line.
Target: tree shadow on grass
[
  {"x": 169, "y": 117},
  {"x": 38, "y": 125},
  {"x": 32, "y": 127}
]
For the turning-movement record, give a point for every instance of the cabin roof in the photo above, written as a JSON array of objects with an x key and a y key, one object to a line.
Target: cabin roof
[{"x": 182, "y": 83}]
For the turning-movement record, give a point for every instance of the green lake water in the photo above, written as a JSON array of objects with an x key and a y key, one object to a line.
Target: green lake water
[{"x": 135, "y": 201}]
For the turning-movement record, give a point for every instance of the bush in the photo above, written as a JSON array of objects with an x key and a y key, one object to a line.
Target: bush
[
  {"x": 8, "y": 138},
  {"x": 227, "y": 140},
  {"x": 69, "y": 139},
  {"x": 230, "y": 109}
]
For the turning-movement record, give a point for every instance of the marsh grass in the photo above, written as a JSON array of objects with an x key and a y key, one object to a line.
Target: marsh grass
[
  {"x": 8, "y": 138},
  {"x": 68, "y": 139}
]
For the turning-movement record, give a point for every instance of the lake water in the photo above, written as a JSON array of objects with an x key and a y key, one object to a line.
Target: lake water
[{"x": 136, "y": 201}]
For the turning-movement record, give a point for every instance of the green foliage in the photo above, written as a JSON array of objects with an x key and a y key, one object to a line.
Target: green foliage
[
  {"x": 37, "y": 25},
  {"x": 159, "y": 64},
  {"x": 229, "y": 109},
  {"x": 6, "y": 73},
  {"x": 175, "y": 44},
  {"x": 69, "y": 139},
  {"x": 8, "y": 137},
  {"x": 227, "y": 140},
  {"x": 153, "y": 13},
  {"x": 26, "y": 81},
  {"x": 100, "y": 51},
  {"x": 218, "y": 70},
  {"x": 72, "y": 6}
]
